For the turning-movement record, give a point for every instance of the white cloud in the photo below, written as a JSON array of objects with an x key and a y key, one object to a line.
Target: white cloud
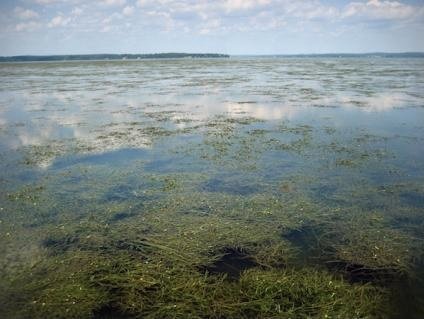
[
  {"x": 112, "y": 22},
  {"x": 58, "y": 21},
  {"x": 210, "y": 26},
  {"x": 128, "y": 10},
  {"x": 25, "y": 14},
  {"x": 266, "y": 20},
  {"x": 27, "y": 26},
  {"x": 114, "y": 2},
  {"x": 307, "y": 10},
  {"x": 224, "y": 16},
  {"x": 142, "y": 3},
  {"x": 381, "y": 10},
  {"x": 46, "y": 1},
  {"x": 171, "y": 3},
  {"x": 233, "y": 5},
  {"x": 76, "y": 11}
]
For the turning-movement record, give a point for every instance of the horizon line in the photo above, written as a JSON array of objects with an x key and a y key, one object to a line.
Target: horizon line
[{"x": 217, "y": 53}]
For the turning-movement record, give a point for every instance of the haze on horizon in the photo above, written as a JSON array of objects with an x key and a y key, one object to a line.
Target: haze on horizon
[{"x": 42, "y": 27}]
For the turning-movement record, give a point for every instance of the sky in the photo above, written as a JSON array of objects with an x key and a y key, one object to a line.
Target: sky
[{"x": 42, "y": 27}]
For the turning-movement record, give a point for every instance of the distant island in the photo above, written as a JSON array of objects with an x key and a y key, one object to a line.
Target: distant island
[
  {"x": 345, "y": 55},
  {"x": 78, "y": 57}
]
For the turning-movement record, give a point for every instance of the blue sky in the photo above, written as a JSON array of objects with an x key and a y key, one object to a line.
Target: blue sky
[{"x": 225, "y": 26}]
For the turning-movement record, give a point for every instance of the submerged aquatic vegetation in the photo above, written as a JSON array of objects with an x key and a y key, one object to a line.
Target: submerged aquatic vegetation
[
  {"x": 119, "y": 285},
  {"x": 170, "y": 261},
  {"x": 242, "y": 202}
]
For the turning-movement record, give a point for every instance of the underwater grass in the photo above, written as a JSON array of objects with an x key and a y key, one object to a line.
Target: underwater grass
[
  {"x": 83, "y": 285},
  {"x": 145, "y": 241},
  {"x": 150, "y": 264}
]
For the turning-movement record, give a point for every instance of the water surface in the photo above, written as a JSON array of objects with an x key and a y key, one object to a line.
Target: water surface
[{"x": 207, "y": 188}]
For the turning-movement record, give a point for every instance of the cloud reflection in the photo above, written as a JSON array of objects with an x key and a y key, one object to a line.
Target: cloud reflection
[{"x": 173, "y": 95}]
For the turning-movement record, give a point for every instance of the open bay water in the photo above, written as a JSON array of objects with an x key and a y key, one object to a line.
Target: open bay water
[{"x": 212, "y": 188}]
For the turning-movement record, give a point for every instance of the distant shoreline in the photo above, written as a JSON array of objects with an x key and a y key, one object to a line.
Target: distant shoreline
[
  {"x": 339, "y": 55},
  {"x": 117, "y": 57},
  {"x": 94, "y": 57}
]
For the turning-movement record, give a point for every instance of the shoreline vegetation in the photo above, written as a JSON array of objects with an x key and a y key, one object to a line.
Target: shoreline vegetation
[
  {"x": 90, "y": 57},
  {"x": 94, "y": 57}
]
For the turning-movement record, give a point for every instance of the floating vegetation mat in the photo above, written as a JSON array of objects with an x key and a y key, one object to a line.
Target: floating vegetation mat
[{"x": 186, "y": 193}]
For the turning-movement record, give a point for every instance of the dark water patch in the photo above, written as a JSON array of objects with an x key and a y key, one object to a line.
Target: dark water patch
[
  {"x": 119, "y": 193},
  {"x": 61, "y": 243},
  {"x": 216, "y": 185},
  {"x": 57, "y": 244},
  {"x": 313, "y": 242},
  {"x": 16, "y": 174},
  {"x": 160, "y": 165},
  {"x": 166, "y": 163},
  {"x": 324, "y": 191},
  {"x": 408, "y": 295},
  {"x": 319, "y": 246},
  {"x": 358, "y": 273},
  {"x": 233, "y": 262},
  {"x": 301, "y": 236},
  {"x": 413, "y": 199},
  {"x": 121, "y": 216},
  {"x": 110, "y": 311},
  {"x": 119, "y": 157}
]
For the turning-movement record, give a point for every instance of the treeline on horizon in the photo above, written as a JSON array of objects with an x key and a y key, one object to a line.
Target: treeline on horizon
[
  {"x": 79, "y": 57},
  {"x": 349, "y": 55},
  {"x": 76, "y": 57}
]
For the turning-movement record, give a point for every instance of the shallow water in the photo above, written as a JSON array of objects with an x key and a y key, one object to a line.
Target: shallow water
[{"x": 140, "y": 168}]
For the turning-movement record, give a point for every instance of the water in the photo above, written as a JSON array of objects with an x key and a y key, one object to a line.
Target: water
[{"x": 215, "y": 172}]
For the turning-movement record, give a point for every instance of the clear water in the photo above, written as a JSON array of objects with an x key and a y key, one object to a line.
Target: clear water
[{"x": 271, "y": 151}]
